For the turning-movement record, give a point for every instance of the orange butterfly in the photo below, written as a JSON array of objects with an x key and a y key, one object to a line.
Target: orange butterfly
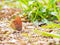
[{"x": 17, "y": 23}]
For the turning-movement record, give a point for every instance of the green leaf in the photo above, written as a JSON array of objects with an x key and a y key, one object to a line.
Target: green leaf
[{"x": 46, "y": 34}]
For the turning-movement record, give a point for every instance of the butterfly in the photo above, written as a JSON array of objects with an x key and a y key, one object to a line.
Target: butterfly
[{"x": 17, "y": 23}]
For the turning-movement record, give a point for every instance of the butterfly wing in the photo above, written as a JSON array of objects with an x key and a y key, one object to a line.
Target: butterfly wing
[{"x": 17, "y": 23}]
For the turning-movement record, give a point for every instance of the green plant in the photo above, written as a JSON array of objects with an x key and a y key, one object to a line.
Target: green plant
[
  {"x": 36, "y": 10},
  {"x": 41, "y": 11},
  {"x": 46, "y": 34}
]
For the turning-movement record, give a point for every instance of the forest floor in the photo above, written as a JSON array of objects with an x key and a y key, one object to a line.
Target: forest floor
[{"x": 27, "y": 36}]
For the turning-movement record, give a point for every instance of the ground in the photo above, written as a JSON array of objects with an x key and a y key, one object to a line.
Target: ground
[{"x": 9, "y": 36}]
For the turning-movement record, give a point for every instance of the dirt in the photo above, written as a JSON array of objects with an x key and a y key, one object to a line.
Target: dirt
[{"x": 9, "y": 36}]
